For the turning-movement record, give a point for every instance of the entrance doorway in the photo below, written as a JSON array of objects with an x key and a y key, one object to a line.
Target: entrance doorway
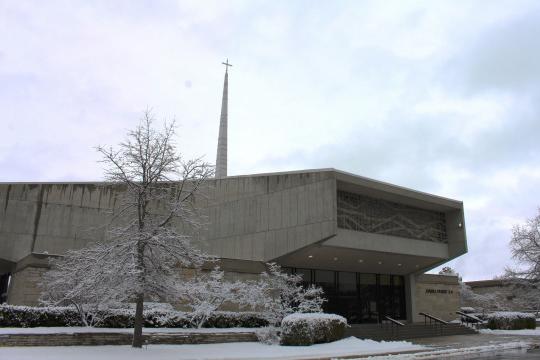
[
  {"x": 4, "y": 285},
  {"x": 359, "y": 297}
]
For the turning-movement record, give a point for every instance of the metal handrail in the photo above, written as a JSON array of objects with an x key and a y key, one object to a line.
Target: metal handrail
[
  {"x": 438, "y": 322},
  {"x": 391, "y": 324},
  {"x": 476, "y": 322},
  {"x": 431, "y": 317},
  {"x": 394, "y": 321},
  {"x": 468, "y": 316}
]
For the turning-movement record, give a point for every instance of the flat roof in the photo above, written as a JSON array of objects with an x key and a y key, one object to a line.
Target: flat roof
[
  {"x": 485, "y": 283},
  {"x": 376, "y": 187}
]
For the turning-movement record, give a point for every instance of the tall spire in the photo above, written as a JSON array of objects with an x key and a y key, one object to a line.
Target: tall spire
[{"x": 221, "y": 158}]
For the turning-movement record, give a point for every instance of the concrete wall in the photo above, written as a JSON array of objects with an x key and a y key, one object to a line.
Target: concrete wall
[
  {"x": 255, "y": 218},
  {"x": 24, "y": 289},
  {"x": 437, "y": 295},
  {"x": 263, "y": 217},
  {"x": 52, "y": 218},
  {"x": 252, "y": 218}
]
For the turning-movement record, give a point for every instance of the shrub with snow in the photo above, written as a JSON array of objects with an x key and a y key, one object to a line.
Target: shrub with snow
[
  {"x": 505, "y": 320},
  {"x": 27, "y": 316},
  {"x": 314, "y": 328}
]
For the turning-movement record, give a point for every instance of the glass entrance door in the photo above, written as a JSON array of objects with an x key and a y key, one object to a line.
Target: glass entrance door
[{"x": 360, "y": 297}]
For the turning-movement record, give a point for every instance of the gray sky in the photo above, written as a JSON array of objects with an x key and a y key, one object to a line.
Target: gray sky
[{"x": 439, "y": 96}]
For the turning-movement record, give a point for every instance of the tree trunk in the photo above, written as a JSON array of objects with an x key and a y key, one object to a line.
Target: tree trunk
[{"x": 137, "y": 331}]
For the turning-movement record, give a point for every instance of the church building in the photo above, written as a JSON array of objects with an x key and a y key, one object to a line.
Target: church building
[{"x": 367, "y": 243}]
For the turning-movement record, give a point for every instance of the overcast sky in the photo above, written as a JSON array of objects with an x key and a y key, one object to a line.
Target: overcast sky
[{"x": 438, "y": 96}]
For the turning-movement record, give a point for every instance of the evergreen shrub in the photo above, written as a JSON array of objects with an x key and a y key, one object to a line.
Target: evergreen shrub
[
  {"x": 505, "y": 320},
  {"x": 47, "y": 316},
  {"x": 307, "y": 329}
]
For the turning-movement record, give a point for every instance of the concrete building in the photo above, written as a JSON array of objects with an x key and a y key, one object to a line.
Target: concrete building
[{"x": 366, "y": 242}]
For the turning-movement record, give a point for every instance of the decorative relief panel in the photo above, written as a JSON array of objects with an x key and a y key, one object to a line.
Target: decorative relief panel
[{"x": 363, "y": 213}]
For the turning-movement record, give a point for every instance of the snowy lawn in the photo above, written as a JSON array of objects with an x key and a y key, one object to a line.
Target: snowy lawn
[
  {"x": 82, "y": 329},
  {"x": 252, "y": 350},
  {"x": 526, "y": 332}
]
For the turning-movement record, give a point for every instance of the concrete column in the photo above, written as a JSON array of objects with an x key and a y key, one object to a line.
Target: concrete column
[{"x": 410, "y": 297}]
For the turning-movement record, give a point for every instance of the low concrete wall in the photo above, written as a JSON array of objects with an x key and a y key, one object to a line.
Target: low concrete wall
[
  {"x": 437, "y": 295},
  {"x": 24, "y": 288},
  {"x": 81, "y": 339}
]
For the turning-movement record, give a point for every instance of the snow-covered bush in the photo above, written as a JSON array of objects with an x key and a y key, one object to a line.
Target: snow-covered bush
[
  {"x": 268, "y": 335},
  {"x": 26, "y": 316},
  {"x": 278, "y": 294},
  {"x": 228, "y": 319},
  {"x": 506, "y": 320},
  {"x": 207, "y": 292},
  {"x": 308, "y": 329}
]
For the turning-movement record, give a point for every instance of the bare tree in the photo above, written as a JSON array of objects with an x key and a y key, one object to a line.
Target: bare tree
[
  {"x": 525, "y": 278},
  {"x": 150, "y": 236}
]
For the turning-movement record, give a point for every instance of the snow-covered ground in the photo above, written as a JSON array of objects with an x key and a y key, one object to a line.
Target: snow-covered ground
[
  {"x": 346, "y": 347},
  {"x": 77, "y": 329},
  {"x": 525, "y": 332},
  {"x": 459, "y": 353}
]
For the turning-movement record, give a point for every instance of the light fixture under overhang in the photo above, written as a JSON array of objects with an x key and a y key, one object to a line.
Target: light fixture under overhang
[
  {"x": 310, "y": 256},
  {"x": 335, "y": 259},
  {"x": 380, "y": 263},
  {"x": 360, "y": 260},
  {"x": 398, "y": 264}
]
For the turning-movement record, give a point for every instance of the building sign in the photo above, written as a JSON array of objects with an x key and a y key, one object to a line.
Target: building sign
[{"x": 439, "y": 291}]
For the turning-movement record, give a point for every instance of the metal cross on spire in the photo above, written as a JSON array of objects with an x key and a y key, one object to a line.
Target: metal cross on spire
[{"x": 226, "y": 63}]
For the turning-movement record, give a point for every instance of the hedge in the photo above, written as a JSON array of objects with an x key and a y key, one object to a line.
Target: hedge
[
  {"x": 308, "y": 329},
  {"x": 510, "y": 321},
  {"x": 26, "y": 316}
]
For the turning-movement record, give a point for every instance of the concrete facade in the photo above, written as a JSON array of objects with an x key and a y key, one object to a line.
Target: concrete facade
[
  {"x": 298, "y": 219},
  {"x": 437, "y": 295}
]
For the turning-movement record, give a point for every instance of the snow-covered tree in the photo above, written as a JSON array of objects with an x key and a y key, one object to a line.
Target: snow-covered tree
[
  {"x": 447, "y": 270},
  {"x": 525, "y": 246},
  {"x": 524, "y": 293},
  {"x": 525, "y": 277},
  {"x": 481, "y": 302},
  {"x": 151, "y": 231},
  {"x": 207, "y": 292},
  {"x": 70, "y": 282},
  {"x": 279, "y": 294}
]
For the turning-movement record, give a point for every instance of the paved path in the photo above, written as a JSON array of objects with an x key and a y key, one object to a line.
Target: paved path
[
  {"x": 462, "y": 341},
  {"x": 503, "y": 347}
]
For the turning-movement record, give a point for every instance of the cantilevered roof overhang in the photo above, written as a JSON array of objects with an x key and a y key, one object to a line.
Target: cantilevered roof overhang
[{"x": 349, "y": 250}]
